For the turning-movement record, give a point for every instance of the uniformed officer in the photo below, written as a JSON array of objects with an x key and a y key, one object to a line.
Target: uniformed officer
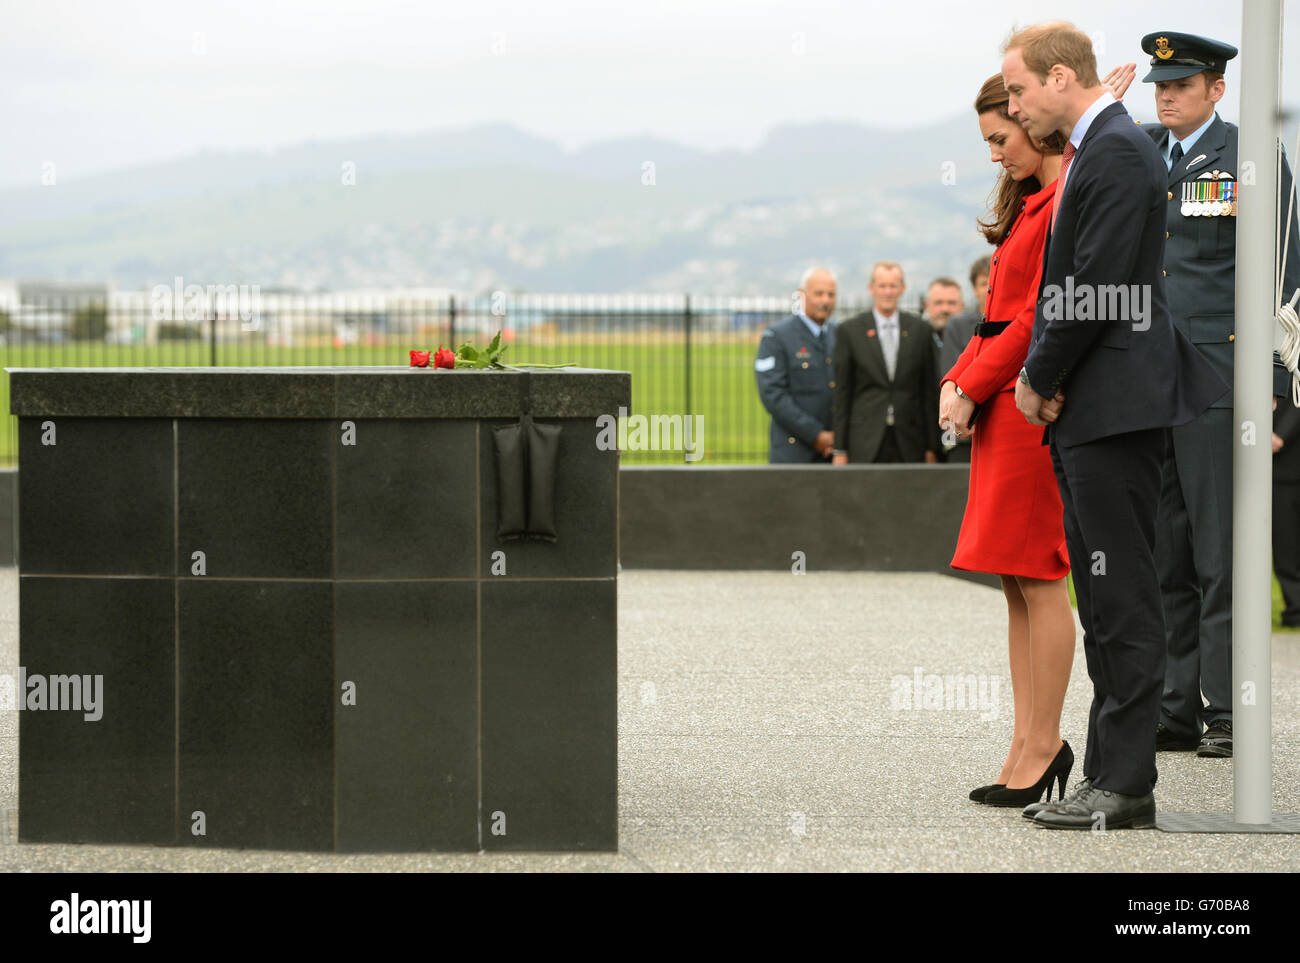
[
  {"x": 1194, "y": 524},
  {"x": 796, "y": 378}
]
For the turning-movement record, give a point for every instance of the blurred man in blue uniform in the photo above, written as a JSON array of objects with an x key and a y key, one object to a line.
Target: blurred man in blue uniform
[{"x": 796, "y": 378}]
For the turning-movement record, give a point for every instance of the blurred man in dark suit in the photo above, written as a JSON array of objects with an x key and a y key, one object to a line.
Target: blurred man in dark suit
[
  {"x": 1286, "y": 508},
  {"x": 1108, "y": 372},
  {"x": 886, "y": 387},
  {"x": 957, "y": 334},
  {"x": 942, "y": 302},
  {"x": 961, "y": 327},
  {"x": 795, "y": 376}
]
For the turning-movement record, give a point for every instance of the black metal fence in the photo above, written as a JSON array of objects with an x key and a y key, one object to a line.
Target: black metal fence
[{"x": 689, "y": 356}]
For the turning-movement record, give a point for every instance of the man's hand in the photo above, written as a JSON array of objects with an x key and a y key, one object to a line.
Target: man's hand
[
  {"x": 1118, "y": 80},
  {"x": 1051, "y": 410},
  {"x": 931, "y": 458},
  {"x": 1277, "y": 443},
  {"x": 1030, "y": 403},
  {"x": 840, "y": 459},
  {"x": 824, "y": 443}
]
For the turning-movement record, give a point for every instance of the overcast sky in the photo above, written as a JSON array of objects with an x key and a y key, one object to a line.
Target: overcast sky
[{"x": 101, "y": 84}]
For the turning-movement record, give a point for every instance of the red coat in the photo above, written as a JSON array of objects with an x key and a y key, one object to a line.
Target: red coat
[{"x": 1013, "y": 521}]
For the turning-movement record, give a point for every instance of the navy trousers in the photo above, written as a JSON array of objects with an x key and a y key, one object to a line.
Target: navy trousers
[{"x": 1110, "y": 491}]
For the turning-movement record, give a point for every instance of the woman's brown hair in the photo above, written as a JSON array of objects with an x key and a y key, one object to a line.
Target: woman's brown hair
[{"x": 1008, "y": 194}]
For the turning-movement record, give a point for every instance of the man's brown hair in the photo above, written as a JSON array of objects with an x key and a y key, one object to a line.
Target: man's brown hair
[
  {"x": 1046, "y": 44},
  {"x": 887, "y": 266}
]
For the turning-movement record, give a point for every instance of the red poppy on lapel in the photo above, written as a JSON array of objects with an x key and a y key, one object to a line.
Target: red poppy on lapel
[{"x": 871, "y": 332}]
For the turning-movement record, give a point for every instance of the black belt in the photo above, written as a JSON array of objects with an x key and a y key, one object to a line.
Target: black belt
[{"x": 990, "y": 329}]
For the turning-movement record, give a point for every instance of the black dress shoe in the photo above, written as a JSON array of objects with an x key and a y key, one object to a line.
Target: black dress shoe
[
  {"x": 978, "y": 794},
  {"x": 1217, "y": 741},
  {"x": 1033, "y": 809},
  {"x": 1101, "y": 809},
  {"x": 1167, "y": 741},
  {"x": 1058, "y": 769}
]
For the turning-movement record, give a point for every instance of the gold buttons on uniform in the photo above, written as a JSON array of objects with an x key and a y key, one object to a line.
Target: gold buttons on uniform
[
  {"x": 1232, "y": 337},
  {"x": 832, "y": 384},
  {"x": 1164, "y": 273},
  {"x": 791, "y": 439},
  {"x": 805, "y": 364},
  {"x": 1167, "y": 234},
  {"x": 1171, "y": 195}
]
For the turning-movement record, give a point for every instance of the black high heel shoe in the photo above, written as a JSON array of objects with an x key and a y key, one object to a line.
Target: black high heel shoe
[
  {"x": 1059, "y": 769},
  {"x": 977, "y": 795}
]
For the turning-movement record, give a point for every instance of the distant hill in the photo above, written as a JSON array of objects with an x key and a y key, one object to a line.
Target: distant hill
[{"x": 493, "y": 207}]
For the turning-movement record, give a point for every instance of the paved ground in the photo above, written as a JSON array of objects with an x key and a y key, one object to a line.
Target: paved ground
[{"x": 759, "y": 731}]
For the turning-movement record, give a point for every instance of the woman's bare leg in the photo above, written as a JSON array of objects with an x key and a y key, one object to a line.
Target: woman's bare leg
[
  {"x": 1021, "y": 683},
  {"x": 1051, "y": 657}
]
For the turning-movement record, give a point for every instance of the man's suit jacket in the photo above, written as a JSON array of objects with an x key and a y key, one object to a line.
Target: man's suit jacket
[
  {"x": 956, "y": 335},
  {"x": 864, "y": 392},
  {"x": 1201, "y": 254},
  {"x": 795, "y": 381},
  {"x": 1119, "y": 372}
]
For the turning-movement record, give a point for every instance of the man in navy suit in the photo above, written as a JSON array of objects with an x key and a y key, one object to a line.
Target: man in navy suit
[
  {"x": 796, "y": 381},
  {"x": 1108, "y": 374}
]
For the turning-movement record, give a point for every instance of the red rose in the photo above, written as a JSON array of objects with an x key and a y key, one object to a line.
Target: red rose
[
  {"x": 419, "y": 359},
  {"x": 444, "y": 358}
]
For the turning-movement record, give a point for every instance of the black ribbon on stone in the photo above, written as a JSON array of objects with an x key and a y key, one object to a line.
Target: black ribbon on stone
[{"x": 526, "y": 458}]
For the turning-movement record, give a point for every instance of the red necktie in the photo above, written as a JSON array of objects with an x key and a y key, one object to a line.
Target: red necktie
[{"x": 1060, "y": 181}]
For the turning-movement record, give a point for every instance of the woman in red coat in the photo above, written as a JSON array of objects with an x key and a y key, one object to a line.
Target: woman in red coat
[{"x": 1013, "y": 522}]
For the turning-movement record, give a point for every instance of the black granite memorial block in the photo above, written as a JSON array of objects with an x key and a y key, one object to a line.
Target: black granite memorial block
[
  {"x": 406, "y": 754},
  {"x": 349, "y": 670},
  {"x": 406, "y": 499},
  {"x": 256, "y": 496},
  {"x": 98, "y": 501},
  {"x": 256, "y": 696},
  {"x": 585, "y": 500},
  {"x": 550, "y": 715},
  {"x": 101, "y": 767}
]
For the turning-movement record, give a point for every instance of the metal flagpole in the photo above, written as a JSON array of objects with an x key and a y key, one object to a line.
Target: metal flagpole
[{"x": 1252, "y": 487}]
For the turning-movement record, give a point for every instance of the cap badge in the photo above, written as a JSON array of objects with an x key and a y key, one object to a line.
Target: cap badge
[{"x": 1163, "y": 50}]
